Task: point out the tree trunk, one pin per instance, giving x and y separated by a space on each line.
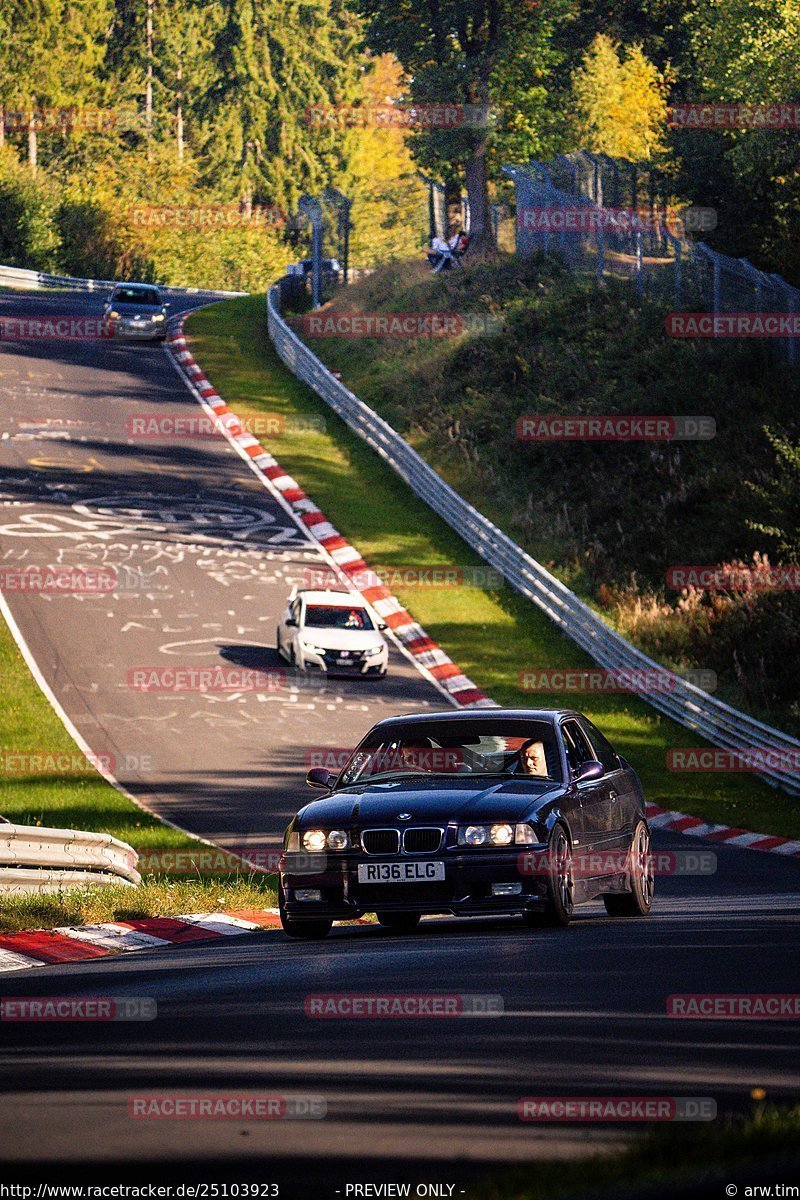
33 143
480 218
2 126
148 95
179 131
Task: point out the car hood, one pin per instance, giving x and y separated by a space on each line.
130 310
501 800
341 639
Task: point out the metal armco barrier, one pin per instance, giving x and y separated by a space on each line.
35 859
714 720
39 280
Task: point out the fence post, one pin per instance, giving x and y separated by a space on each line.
717 290
312 209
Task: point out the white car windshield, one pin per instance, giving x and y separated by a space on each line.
337 616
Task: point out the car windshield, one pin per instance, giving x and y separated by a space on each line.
131 295
337 616
518 748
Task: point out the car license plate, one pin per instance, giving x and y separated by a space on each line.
405 872
344 661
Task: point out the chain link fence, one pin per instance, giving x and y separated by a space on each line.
613 217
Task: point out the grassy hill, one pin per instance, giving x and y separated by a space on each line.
610 518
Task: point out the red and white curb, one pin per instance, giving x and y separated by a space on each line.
677 822
411 637
76 943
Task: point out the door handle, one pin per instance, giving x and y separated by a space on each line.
614 796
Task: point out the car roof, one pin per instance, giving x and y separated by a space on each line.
343 599
481 714
136 287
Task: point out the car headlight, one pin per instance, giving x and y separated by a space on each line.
501 834
373 650
338 839
113 316
314 840
292 842
159 317
307 648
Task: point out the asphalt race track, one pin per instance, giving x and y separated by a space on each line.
204 559
584 1010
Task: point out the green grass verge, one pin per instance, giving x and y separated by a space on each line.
491 634
682 1157
83 800
154 898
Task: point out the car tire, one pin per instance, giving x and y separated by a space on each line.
639 900
398 922
278 645
559 902
309 931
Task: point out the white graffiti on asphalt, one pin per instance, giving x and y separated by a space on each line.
206 520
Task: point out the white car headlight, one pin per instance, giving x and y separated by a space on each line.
308 648
314 840
159 317
502 835
372 651
338 839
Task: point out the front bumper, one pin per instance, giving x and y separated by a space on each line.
150 331
466 889
332 663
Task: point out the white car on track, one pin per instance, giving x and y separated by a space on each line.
333 632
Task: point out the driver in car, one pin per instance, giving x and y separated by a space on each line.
532 760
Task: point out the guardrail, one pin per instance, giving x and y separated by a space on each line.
35 859
685 703
39 280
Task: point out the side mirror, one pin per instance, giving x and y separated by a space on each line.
318 777
290 622
591 769
382 626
